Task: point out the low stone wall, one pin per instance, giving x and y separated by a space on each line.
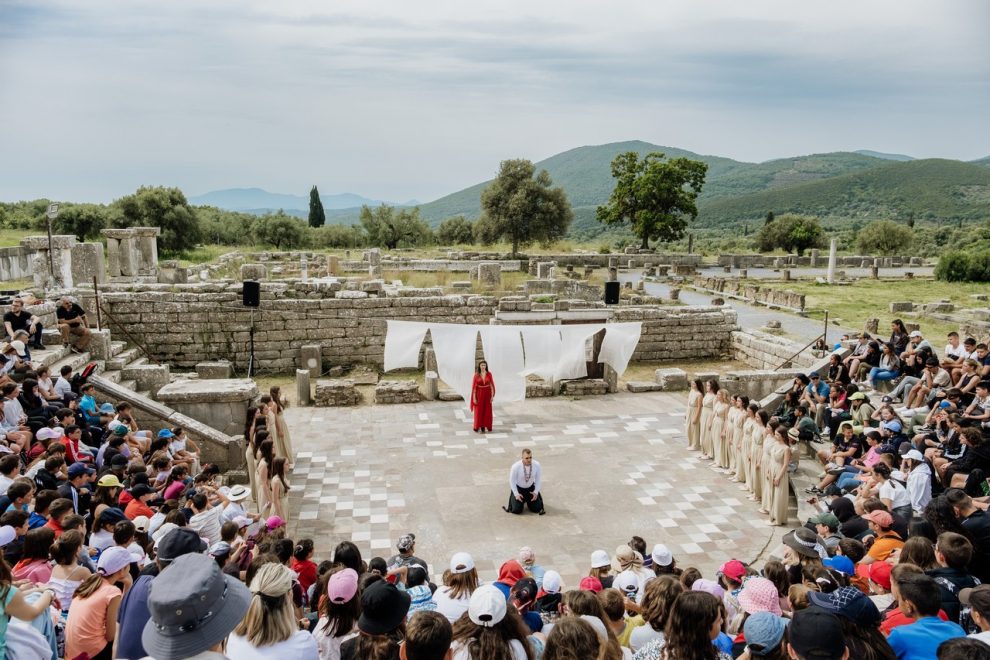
764 351
751 292
431 265
681 333
624 260
336 392
815 260
397 391
758 383
15 263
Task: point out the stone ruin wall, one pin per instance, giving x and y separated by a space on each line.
15 263
187 324
815 260
751 292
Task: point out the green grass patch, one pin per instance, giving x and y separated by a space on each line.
12 237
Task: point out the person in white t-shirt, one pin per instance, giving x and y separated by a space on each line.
525 485
490 622
453 598
269 629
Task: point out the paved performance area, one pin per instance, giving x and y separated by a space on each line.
612 467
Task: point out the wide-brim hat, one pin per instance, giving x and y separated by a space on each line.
804 542
178 643
238 493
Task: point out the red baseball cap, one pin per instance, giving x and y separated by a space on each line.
590 583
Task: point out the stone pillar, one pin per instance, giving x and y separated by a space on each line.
145 246
543 269
431 386
613 262
814 258
87 263
613 274
375 263
743 273
303 391
874 272
113 256
787 274
123 256
675 293
872 326
611 379
311 358
833 247
429 359
333 264
490 274
304 268
60 262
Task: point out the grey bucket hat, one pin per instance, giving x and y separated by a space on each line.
193 606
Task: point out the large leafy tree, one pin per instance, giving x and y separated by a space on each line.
317 216
455 231
82 220
280 230
656 197
389 228
166 208
793 233
884 237
523 208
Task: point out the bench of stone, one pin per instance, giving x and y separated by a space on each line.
220 403
397 391
671 379
584 387
539 390
638 386
336 392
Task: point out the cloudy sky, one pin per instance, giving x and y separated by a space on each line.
403 99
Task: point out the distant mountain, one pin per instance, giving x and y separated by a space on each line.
253 200
883 156
983 162
931 188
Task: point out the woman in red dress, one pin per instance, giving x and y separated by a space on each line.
482 393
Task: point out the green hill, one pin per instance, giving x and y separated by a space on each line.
585 175
983 162
924 189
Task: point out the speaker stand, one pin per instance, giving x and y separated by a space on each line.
250 370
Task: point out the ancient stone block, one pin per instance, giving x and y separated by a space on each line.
311 359
671 379
303 389
254 271
214 370
397 391
490 275
87 263
904 306
336 393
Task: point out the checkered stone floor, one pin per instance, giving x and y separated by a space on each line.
612 467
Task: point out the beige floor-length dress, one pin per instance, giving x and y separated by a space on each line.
693 426
707 407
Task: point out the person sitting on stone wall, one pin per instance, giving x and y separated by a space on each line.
19 319
72 323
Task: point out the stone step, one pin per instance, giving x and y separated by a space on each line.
51 354
117 347
644 386
122 359
112 376
137 362
75 360
129 384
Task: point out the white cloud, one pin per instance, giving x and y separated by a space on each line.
401 99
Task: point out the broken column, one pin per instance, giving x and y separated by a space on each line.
333 264
303 390
831 260
122 260
87 263
145 246
375 263
304 268
311 358
543 269
55 269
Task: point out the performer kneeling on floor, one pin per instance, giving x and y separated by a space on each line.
524 482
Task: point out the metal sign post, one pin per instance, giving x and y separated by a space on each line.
51 215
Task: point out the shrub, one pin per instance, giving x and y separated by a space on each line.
953 267
979 267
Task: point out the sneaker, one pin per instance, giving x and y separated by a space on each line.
813 490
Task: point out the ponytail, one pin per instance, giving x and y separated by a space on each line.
89 586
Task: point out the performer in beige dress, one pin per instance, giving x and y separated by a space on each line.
707 408
250 448
265 458
278 408
768 442
780 459
280 489
745 471
742 414
756 456
693 415
720 412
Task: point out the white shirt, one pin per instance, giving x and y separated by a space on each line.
207 524
643 635
515 646
517 476
896 493
301 646
957 352
452 608
919 487
46 386
5 482
330 646
231 511
12 412
62 387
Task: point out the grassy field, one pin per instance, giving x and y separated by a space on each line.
863 299
12 237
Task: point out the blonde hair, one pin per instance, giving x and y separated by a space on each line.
270 618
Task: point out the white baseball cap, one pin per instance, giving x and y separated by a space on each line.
18 347
552 583
661 555
487 606
7 534
914 455
600 558
461 562
626 582
113 559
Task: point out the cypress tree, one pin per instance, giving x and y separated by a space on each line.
317 217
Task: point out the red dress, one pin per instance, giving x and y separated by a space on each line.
482 393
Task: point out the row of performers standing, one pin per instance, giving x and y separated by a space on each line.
744 443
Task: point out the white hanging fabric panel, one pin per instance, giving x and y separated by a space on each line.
573 362
542 345
619 343
403 340
455 347
504 354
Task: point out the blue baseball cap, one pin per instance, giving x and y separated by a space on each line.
107 408
79 469
165 433
894 426
840 563
944 404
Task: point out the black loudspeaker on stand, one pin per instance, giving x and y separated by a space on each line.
251 295
612 293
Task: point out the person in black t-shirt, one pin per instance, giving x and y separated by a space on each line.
72 322
18 319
